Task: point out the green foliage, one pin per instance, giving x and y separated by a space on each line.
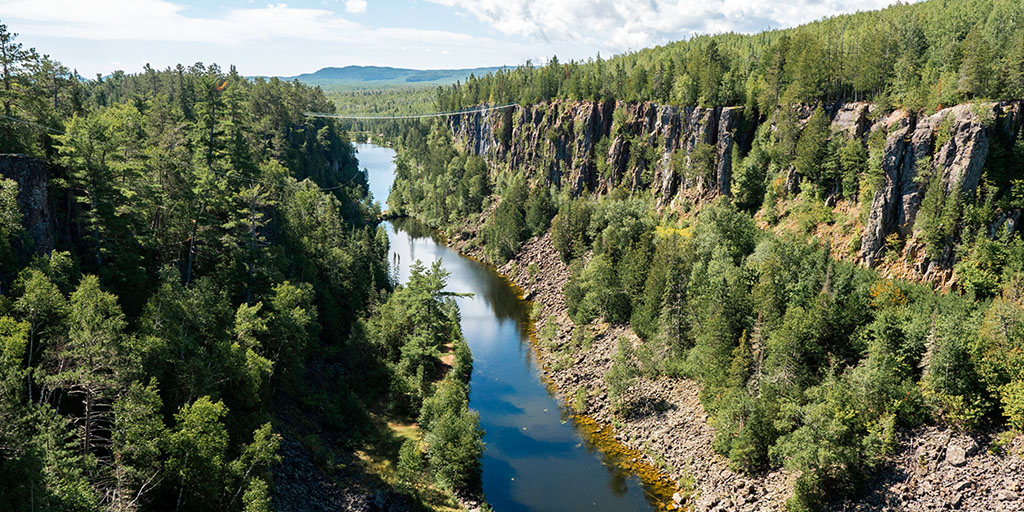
197 447
596 291
810 211
950 379
410 462
1013 404
852 159
257 497
453 186
570 229
811 149
506 229
213 244
453 437
919 55
454 448
621 375
700 164
539 210
750 173
611 283
10 219
939 216
410 329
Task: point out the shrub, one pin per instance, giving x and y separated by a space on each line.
504 231
1013 404
569 229
539 210
454 448
621 375
595 291
810 149
853 158
410 463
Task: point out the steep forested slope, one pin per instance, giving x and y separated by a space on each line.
937 52
720 197
190 269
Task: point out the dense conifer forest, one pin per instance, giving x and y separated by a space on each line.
211 271
215 261
921 55
807 362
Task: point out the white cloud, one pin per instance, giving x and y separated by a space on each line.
619 25
355 6
162 20
283 39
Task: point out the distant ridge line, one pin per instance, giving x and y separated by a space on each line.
409 116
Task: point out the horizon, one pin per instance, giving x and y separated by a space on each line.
303 36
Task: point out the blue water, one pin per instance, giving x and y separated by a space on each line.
534 458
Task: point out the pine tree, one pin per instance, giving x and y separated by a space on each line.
812 146
93 363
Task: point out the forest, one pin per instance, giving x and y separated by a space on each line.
918 56
217 284
807 362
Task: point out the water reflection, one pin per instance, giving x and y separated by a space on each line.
535 460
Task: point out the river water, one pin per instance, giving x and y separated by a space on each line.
535 457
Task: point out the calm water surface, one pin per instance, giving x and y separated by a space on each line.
534 458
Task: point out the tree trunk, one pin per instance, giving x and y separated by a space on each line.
192 243
88 420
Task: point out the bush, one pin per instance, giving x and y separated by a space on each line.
621 375
1013 404
410 463
810 149
595 291
454 448
748 185
950 381
504 231
852 158
539 210
569 229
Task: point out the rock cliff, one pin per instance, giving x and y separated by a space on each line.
596 146
951 145
32 177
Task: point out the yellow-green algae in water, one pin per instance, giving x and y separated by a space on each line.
657 484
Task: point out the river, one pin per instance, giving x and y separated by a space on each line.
535 457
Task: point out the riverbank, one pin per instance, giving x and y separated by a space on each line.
934 467
669 426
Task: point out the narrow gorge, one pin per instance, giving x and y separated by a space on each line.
595 147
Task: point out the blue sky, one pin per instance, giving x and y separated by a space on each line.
261 38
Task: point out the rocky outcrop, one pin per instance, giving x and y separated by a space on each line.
597 146
32 177
951 145
936 468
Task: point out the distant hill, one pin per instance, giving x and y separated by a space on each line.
383 76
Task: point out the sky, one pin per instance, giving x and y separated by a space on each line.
286 39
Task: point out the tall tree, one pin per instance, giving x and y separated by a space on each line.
92 365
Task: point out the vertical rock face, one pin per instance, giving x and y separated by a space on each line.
588 145
953 143
851 119
898 169
597 146
32 177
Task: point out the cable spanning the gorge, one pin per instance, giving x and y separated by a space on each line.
410 116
